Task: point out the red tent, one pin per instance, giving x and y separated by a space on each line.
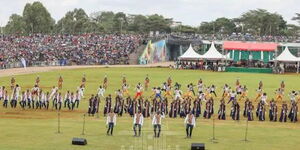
249 46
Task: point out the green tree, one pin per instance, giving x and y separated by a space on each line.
37 18
158 23
104 21
262 22
120 22
15 24
76 21
138 24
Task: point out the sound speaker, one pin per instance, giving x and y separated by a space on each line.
79 141
198 146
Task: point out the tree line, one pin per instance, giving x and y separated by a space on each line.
36 19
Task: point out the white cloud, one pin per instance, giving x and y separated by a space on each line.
190 12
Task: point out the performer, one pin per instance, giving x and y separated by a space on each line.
35 93
208 109
264 98
279 94
107 107
83 81
260 112
259 93
191 88
12 82
23 100
67 100
60 82
250 112
273 111
47 99
226 91
168 92
77 98
138 121
139 92
2 91
53 91
222 111
101 91
125 90
37 81
260 84
111 122
246 107
156 122
212 90
293 96
282 85
244 93
91 104
190 123
124 79
237 83
284 112
147 82
29 98
169 81
293 112
177 93
232 96
105 82
157 93
59 101
5 99
235 111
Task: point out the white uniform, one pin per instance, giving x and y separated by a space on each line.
177 94
101 92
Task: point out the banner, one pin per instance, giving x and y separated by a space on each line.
154 53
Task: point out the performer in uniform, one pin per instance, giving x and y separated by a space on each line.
284 112
190 122
156 122
273 111
37 81
138 121
105 82
60 82
83 81
139 91
111 122
222 111
147 82
293 112
12 82
101 91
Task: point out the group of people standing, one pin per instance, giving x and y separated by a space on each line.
37 98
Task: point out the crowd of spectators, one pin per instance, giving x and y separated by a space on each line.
233 37
84 49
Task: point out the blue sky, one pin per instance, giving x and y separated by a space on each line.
190 12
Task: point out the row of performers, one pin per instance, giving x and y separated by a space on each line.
178 108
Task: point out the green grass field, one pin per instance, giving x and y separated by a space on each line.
37 129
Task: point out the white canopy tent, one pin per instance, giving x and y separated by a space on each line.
190 54
287 56
213 54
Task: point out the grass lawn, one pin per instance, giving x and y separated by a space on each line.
37 129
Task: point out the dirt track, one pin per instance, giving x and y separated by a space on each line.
29 70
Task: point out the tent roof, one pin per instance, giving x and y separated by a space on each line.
213 53
190 54
250 46
287 56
